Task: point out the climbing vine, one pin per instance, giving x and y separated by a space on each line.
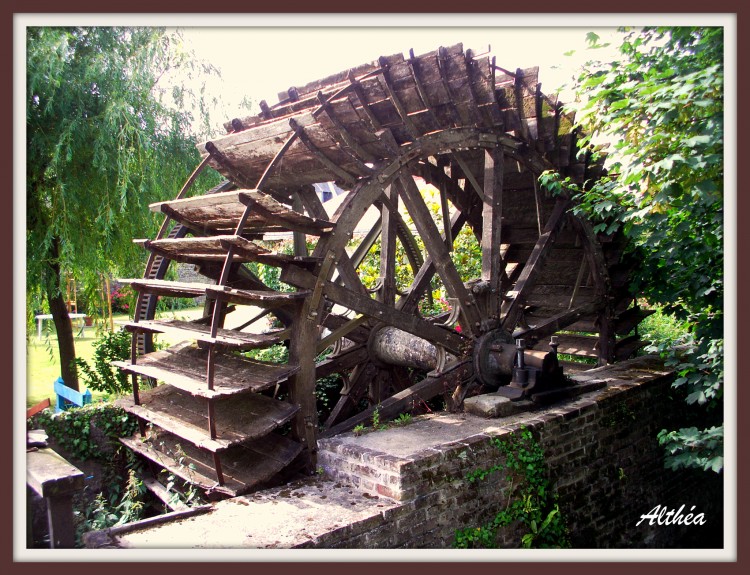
532 504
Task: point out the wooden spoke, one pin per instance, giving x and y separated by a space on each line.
438 252
344 266
388 248
424 276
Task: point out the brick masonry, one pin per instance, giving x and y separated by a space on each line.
407 487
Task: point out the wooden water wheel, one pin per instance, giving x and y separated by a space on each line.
446 123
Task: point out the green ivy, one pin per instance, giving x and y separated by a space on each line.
72 429
532 504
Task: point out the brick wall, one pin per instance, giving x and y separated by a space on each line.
604 461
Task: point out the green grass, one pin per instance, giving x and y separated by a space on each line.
43 363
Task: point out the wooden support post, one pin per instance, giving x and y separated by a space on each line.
493 265
299 239
55 479
302 384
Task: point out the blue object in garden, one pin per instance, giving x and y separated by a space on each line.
67 397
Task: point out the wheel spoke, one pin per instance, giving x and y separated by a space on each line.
372 308
438 252
388 247
424 276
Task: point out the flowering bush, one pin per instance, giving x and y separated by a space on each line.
121 297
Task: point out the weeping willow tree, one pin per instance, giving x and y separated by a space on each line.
107 134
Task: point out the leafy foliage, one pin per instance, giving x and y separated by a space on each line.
111 346
659 108
101 513
74 429
533 505
106 136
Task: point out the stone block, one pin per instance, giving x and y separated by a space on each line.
489 405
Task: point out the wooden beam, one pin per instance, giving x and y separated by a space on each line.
493 265
395 100
423 391
423 277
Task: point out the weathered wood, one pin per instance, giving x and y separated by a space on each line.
376 310
580 345
184 366
335 169
345 360
269 299
55 479
553 324
388 217
269 210
493 266
247 416
214 248
202 332
424 390
423 277
245 466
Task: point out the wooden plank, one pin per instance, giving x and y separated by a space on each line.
581 345
544 327
374 309
269 210
184 366
628 320
267 299
246 417
50 475
344 361
210 248
202 332
388 216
